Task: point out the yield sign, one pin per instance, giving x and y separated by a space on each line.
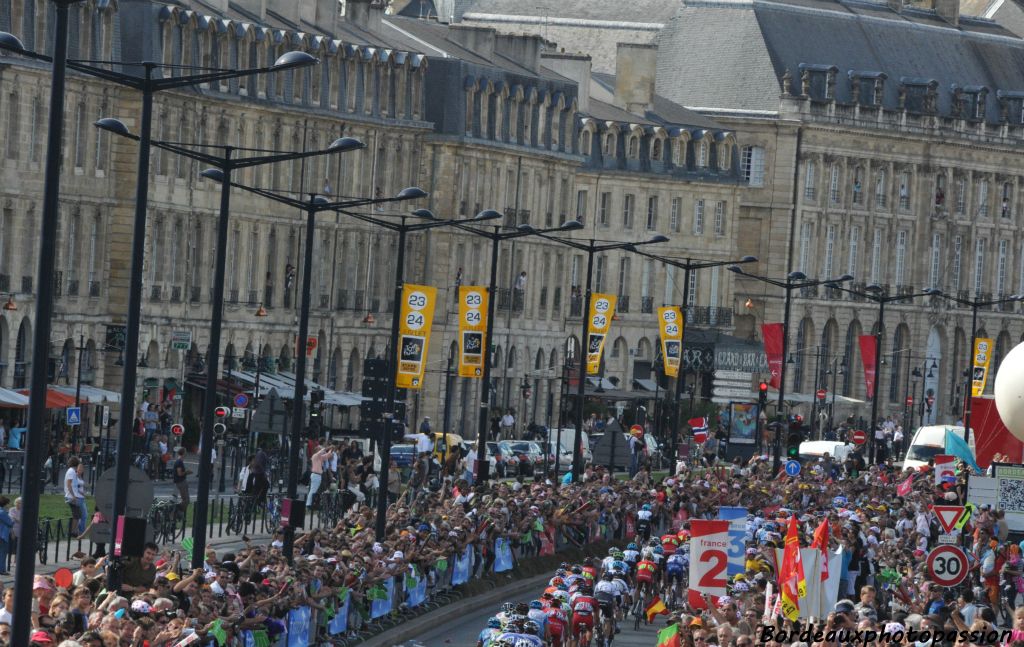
948 516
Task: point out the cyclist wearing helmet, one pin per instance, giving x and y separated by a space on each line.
631 555
584 610
536 614
489 635
619 579
646 571
676 566
517 635
670 541
643 522
557 621
608 596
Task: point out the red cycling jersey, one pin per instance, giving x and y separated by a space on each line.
557 621
645 571
583 609
591 570
669 543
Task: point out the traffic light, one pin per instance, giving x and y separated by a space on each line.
762 395
221 412
794 437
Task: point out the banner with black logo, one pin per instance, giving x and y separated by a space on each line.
417 315
472 329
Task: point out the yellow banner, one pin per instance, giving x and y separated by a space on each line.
670 321
417 315
602 309
982 358
472 330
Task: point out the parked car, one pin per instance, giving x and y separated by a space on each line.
528 454
505 462
653 451
566 437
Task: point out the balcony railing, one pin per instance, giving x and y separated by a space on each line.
175 294
809 291
233 296
904 290
963 295
341 300
26 285
197 294
5 282
510 298
542 300
72 287
254 297
374 305
58 283
708 316
154 293
556 300
623 304
986 296
360 300
268 296
833 293
576 306
646 305
94 288
325 301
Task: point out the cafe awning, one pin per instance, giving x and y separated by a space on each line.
12 399
54 398
91 395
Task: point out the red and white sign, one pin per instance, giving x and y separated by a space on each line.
709 560
947 565
821 393
178 430
948 516
910 400
945 472
858 437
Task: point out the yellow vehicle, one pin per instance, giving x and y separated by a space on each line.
454 444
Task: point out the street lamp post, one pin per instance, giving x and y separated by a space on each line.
974 305
21 625
876 293
832 405
793 281
224 164
425 220
495 236
591 247
687 265
311 207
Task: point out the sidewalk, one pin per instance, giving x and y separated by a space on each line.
221 545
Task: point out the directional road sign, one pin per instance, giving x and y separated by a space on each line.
74 416
947 565
793 468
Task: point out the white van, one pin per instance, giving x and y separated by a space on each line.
928 442
566 438
812 450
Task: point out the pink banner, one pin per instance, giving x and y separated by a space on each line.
868 348
773 334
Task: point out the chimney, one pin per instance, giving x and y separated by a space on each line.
948 10
365 14
635 66
575 67
479 40
525 49
323 14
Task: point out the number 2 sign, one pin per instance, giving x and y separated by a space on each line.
709 560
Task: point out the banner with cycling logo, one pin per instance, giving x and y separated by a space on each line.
502 555
982 358
339 622
670 321
417 315
602 309
298 627
462 566
709 560
737 518
472 329
415 588
380 596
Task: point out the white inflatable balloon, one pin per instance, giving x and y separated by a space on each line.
1009 391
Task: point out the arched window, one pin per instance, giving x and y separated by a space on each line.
656 147
609 144
586 139
634 147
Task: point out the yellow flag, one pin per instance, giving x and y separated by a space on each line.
982 358
417 315
670 321
472 330
602 309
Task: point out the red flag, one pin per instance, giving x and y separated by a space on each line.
868 348
903 489
792 584
821 543
773 334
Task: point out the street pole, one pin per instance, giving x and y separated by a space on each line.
577 445
131 344
832 406
212 369
780 414
78 392
447 402
681 377
482 466
878 374
35 446
968 390
390 423
814 403
298 403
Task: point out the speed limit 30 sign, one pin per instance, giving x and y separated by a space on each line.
947 565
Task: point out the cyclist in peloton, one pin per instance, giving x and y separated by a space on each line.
557 622
522 633
489 635
631 555
646 572
608 596
584 610
675 569
537 614
643 522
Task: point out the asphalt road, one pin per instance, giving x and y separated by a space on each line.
464 632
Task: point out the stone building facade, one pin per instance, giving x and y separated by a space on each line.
477 119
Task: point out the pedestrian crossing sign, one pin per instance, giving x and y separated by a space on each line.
74 416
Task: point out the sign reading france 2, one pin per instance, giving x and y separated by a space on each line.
748 359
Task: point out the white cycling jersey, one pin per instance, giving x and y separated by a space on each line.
631 556
605 586
644 515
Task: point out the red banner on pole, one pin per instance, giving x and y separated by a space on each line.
772 334
868 348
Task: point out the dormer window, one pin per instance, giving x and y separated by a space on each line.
609 144
724 156
634 147
656 147
867 87
818 81
918 95
586 139
1011 106
702 154
970 101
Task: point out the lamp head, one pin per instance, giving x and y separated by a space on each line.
11 43
844 278
748 259
319 199
933 292
527 229
797 276
656 239
411 193
112 125
735 269
487 214
214 174
290 60
570 225
343 144
426 214
874 287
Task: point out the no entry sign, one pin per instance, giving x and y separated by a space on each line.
947 565
859 437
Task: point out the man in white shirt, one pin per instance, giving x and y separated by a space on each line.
508 423
5 611
71 490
